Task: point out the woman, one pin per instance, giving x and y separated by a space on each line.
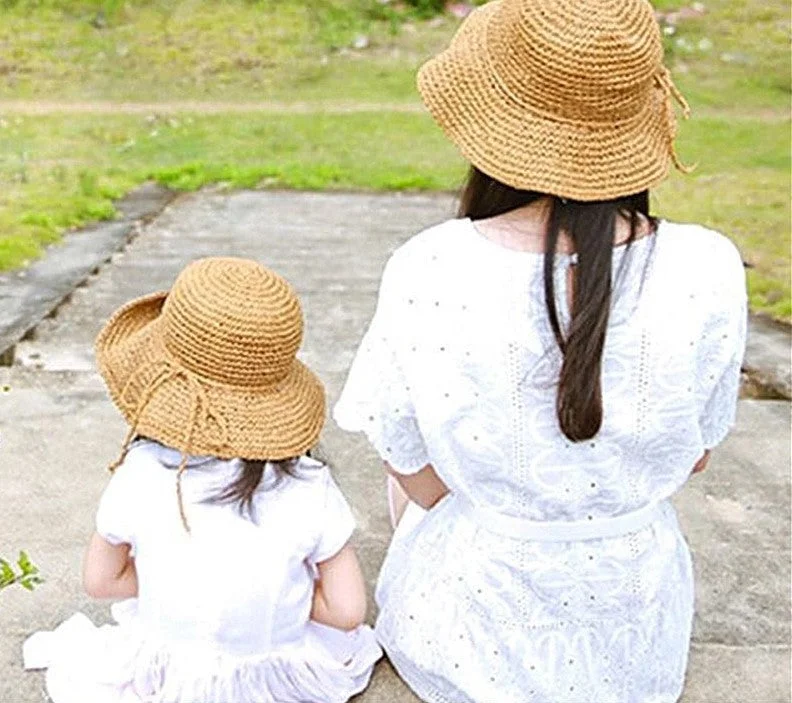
544 372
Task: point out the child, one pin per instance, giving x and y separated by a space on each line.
240 580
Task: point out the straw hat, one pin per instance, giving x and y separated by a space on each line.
567 97
210 367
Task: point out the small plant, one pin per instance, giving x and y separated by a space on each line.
27 576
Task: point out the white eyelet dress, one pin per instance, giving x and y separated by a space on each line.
554 571
222 614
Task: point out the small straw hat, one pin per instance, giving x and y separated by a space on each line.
210 367
566 97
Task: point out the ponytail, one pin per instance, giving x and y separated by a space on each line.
591 227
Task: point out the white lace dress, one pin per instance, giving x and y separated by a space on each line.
525 584
223 613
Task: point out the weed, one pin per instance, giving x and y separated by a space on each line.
27 575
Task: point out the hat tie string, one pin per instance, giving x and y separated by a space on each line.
664 80
201 411
165 374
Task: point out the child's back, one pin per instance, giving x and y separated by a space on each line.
223 612
236 584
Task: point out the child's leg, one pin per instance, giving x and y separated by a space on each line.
397 501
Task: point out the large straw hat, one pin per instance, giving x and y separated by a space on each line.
567 97
210 368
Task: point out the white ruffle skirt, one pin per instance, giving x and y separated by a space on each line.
117 664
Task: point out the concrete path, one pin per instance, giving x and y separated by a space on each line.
58 431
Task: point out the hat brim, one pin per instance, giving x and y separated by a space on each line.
526 150
276 422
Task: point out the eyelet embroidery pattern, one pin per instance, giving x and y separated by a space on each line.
459 345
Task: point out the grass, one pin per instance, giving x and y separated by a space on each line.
268 50
60 171
734 57
47 192
749 202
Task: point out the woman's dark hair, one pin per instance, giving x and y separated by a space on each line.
243 489
591 227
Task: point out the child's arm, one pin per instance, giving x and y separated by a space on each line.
424 487
108 570
340 594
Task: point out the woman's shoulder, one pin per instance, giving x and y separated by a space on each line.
431 242
421 260
699 245
709 260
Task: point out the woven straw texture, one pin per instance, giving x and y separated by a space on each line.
210 367
567 97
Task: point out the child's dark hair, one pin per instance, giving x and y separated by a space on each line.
243 489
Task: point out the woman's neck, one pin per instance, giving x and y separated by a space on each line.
524 228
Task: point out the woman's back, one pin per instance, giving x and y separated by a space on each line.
545 414
465 323
560 565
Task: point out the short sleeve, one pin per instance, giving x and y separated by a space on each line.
115 518
723 348
335 522
376 397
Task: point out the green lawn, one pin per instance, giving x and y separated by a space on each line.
60 171
233 50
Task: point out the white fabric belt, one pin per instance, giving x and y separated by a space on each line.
563 530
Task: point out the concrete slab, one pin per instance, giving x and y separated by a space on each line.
720 674
29 295
768 357
58 431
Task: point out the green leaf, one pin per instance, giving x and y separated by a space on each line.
6 572
24 562
27 566
28 578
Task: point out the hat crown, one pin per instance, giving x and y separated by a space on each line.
233 321
576 60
